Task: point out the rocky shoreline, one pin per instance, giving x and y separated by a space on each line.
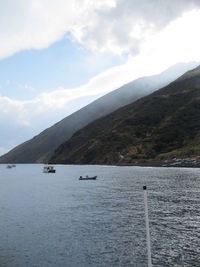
175 162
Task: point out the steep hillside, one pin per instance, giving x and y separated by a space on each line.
41 147
161 126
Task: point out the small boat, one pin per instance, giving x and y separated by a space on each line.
49 169
88 178
9 166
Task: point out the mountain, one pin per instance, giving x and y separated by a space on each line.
41 148
160 126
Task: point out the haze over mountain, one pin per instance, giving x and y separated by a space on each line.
41 147
163 125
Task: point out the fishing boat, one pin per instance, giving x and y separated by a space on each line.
48 169
88 178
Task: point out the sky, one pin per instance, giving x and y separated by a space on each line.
57 56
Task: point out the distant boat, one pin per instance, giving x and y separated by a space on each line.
9 166
13 165
48 169
88 178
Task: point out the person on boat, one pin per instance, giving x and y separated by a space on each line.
86 176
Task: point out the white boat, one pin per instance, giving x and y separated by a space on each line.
49 169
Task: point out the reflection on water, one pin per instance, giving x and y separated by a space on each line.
57 220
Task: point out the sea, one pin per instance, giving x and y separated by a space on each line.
57 220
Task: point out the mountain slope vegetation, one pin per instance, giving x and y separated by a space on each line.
161 126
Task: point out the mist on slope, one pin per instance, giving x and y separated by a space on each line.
43 145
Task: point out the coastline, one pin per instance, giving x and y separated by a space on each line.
176 162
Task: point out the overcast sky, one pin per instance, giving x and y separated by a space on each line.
57 55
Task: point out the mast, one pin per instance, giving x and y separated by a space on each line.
147 227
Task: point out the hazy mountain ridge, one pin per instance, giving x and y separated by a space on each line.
161 126
41 147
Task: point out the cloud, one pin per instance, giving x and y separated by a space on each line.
120 26
2 150
126 26
27 24
13 110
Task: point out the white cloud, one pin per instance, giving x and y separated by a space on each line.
128 24
3 150
26 24
13 110
115 25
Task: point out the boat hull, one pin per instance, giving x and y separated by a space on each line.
53 171
88 178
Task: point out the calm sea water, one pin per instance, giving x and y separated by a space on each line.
57 220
